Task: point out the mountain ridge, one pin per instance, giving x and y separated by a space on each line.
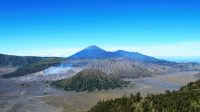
17 61
95 52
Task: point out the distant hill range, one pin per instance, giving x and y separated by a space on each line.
17 61
120 63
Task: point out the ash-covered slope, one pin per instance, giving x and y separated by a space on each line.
124 68
90 79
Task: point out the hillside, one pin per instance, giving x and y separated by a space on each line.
35 67
185 100
17 61
121 68
90 80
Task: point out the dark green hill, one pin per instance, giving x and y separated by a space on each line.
187 99
35 67
90 79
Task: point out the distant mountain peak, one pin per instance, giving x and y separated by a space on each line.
91 52
94 52
93 47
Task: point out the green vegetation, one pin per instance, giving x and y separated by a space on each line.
34 67
90 79
187 99
17 61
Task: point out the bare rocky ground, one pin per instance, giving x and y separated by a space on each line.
25 96
38 96
6 70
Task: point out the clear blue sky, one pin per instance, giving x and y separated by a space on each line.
59 27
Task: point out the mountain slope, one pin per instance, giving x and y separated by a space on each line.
140 57
120 67
17 61
34 67
185 100
90 79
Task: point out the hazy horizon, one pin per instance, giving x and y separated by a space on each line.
169 58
